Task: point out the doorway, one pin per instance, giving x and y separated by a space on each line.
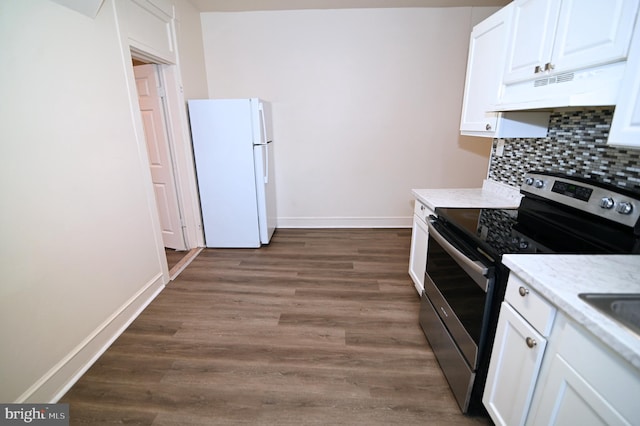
152 104
152 99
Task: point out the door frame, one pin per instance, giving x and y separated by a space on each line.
179 145
147 31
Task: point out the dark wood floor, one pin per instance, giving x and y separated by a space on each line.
320 327
174 256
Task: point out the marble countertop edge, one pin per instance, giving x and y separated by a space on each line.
491 195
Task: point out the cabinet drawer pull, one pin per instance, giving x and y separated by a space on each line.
531 342
523 291
488 127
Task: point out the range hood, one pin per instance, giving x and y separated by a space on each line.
597 86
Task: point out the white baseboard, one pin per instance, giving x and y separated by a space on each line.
56 382
345 222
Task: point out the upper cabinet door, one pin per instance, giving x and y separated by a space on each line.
592 32
625 127
487 49
552 37
483 84
534 25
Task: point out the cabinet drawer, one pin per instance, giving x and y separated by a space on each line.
533 307
422 211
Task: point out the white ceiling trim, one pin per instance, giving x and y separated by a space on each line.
89 8
252 5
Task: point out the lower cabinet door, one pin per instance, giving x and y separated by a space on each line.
583 382
568 399
418 254
515 362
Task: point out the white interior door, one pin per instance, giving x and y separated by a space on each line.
155 129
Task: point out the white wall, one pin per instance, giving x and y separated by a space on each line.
80 250
366 105
191 56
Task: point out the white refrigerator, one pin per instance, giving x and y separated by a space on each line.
233 149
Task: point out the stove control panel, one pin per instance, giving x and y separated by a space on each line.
571 190
589 197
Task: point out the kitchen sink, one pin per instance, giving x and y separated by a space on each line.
623 308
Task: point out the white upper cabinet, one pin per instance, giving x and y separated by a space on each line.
487 52
566 53
592 32
625 127
534 23
555 37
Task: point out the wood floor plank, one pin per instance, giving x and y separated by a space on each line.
263 335
102 414
115 367
174 257
319 327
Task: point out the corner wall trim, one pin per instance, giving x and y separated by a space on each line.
58 380
184 262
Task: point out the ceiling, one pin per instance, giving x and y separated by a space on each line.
248 5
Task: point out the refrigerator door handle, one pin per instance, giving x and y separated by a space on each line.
263 138
266 169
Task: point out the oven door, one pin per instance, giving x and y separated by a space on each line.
455 307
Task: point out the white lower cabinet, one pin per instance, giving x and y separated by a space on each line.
419 240
546 369
517 354
583 382
507 400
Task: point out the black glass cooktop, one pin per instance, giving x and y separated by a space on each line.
490 229
536 228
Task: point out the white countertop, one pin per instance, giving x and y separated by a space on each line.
491 195
560 278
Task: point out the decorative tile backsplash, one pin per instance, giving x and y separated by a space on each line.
576 145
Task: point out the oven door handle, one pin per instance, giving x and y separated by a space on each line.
476 269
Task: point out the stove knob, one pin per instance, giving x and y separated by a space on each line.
524 244
607 203
624 208
538 183
529 181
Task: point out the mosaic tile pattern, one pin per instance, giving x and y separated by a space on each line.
494 227
575 145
